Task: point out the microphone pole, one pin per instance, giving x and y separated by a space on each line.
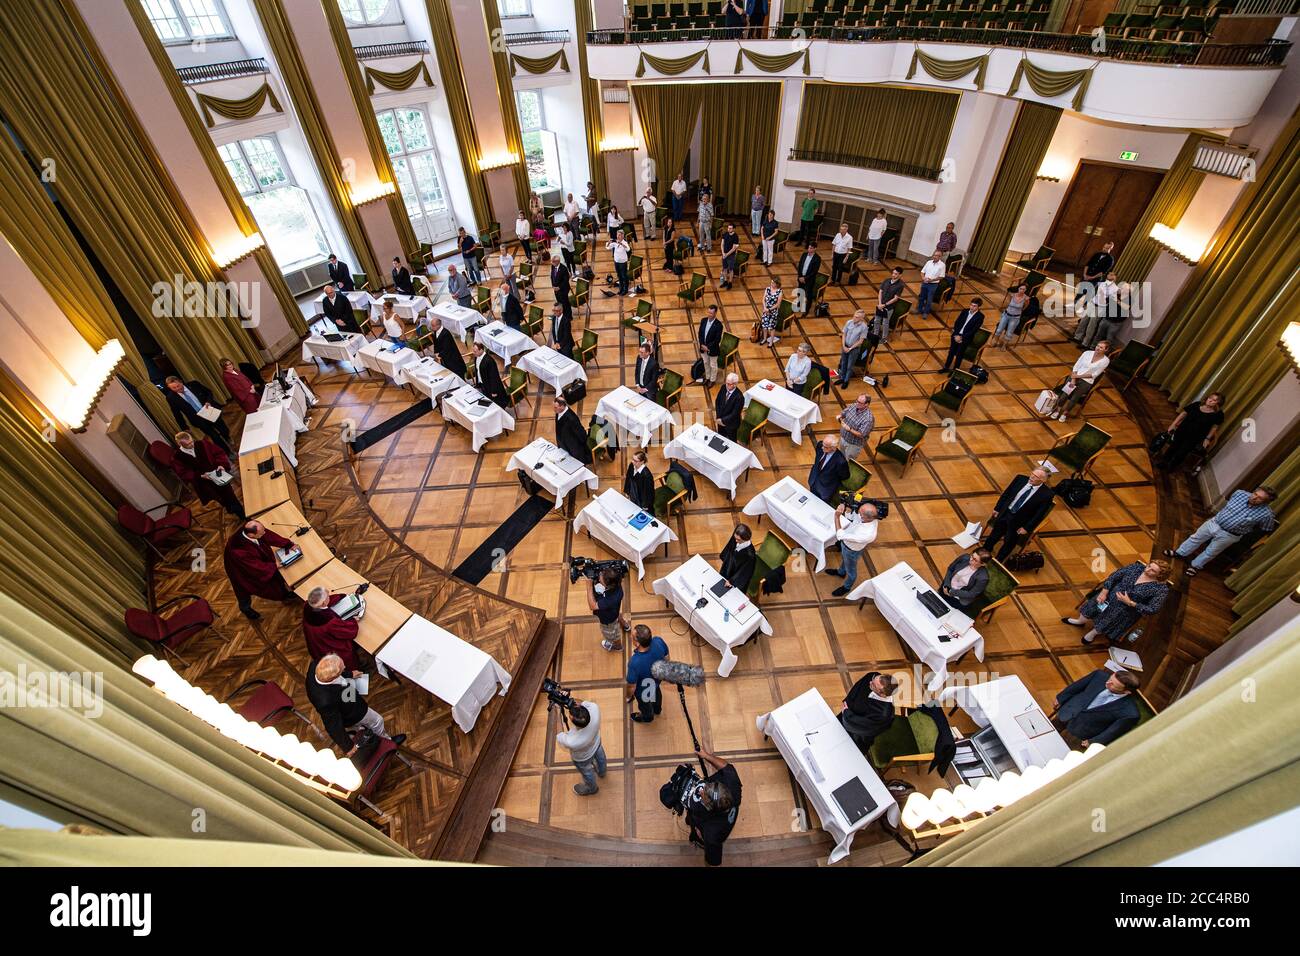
302 529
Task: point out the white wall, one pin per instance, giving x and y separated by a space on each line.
1267 423
1277 624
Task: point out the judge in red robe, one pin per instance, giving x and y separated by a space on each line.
240 386
195 459
252 567
326 632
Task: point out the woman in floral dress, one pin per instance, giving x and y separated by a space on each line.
771 310
1129 594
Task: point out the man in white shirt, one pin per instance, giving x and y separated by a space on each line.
524 233
1104 306
854 532
841 246
931 273
564 237
621 251
1071 393
678 196
648 206
584 746
571 211
875 233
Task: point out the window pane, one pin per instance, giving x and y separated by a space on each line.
415 131
530 110
351 10
237 168
203 18
388 129
542 156
265 161
513 8
425 166
289 225
374 9
407 189
163 16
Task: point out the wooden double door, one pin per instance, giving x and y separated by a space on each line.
1103 204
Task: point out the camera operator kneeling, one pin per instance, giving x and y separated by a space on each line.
584 746
712 807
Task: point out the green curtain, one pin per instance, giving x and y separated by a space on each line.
1207 766
241 109
1026 146
949 70
889 124
370 127
773 64
1056 16
738 151
77 571
539 64
506 97
144 765
400 80
217 168
672 66
315 129
110 181
1167 206
592 105
462 120
668 112
1272 571
1050 83
1224 327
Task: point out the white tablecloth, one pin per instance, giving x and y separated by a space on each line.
823 757
484 422
316 346
894 593
267 427
296 400
500 339
550 476
786 410
686 584
722 468
799 513
552 368
358 300
379 357
1006 705
633 413
457 318
446 666
429 377
406 306
606 519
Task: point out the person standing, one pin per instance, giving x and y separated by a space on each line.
642 688
968 323
1127 595
677 195
771 311
340 274
252 567
570 436
710 336
841 246
1103 307
876 234
564 238
190 402
1243 512
947 241
757 203
445 349
201 465
738 558
810 264
622 251
854 533
797 368
1094 271
524 233
768 231
852 336
487 377
829 469
402 277
868 710
560 283
605 598
730 243
648 205
705 220
808 217
240 387
1194 429
931 274
571 212
638 483
856 423
327 633
507 263
1019 510
561 330
337 308
332 690
645 373
458 287
668 236
582 741
1011 315
713 806
470 251
729 406
512 310
613 221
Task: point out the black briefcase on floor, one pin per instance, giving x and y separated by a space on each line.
575 392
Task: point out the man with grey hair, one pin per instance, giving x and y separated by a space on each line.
458 287
829 469
854 532
325 631
729 406
333 692
1019 510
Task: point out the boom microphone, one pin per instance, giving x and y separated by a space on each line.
676 672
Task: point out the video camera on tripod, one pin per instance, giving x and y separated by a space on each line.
580 567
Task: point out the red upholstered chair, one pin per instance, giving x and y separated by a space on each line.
162 453
268 705
170 632
373 772
156 531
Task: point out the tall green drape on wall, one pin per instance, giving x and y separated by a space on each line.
1210 764
1167 206
78 572
738 148
1026 146
1056 16
671 66
241 109
773 64
891 124
539 65
462 120
315 129
506 96
217 167
399 79
143 765
592 105
668 112
1051 83
370 126
949 70
110 180
1223 329
1273 569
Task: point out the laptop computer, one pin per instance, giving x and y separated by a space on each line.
718 445
854 799
721 588
936 605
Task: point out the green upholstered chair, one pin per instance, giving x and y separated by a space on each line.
902 443
692 290
490 237
534 321
1026 326
517 386
909 739
779 240
644 312
635 270
670 389
1078 450
671 491
1038 261
597 437
752 422
771 554
1033 282
587 347
1129 362
742 260
418 263
820 282
422 339
945 395
483 301
523 276
360 281
1145 709
728 349
851 263
857 479
582 295
1002 584
902 309
580 247
362 318
784 314
814 385
426 250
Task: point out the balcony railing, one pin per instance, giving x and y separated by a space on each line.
866 162
377 51
543 36
221 71
1270 54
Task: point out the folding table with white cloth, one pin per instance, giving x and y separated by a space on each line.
297 399
1006 705
500 339
785 409
343 350
429 377
553 468
613 520
458 319
724 622
464 407
552 368
799 513
721 460
270 426
358 300
387 358
633 413
407 307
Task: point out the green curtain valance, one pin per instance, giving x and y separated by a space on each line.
772 64
949 70
243 109
672 66
401 80
1049 83
539 64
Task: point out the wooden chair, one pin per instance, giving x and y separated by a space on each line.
974 349
156 532
779 242
1002 584
909 739
635 271
169 632
752 422
671 491
1130 361
1033 283
820 283
483 301
490 238
728 349
1078 450
1038 261
360 282
953 394
742 260
692 291
814 385
770 555
523 276
784 315
670 389
534 321
587 347
597 437
902 443
268 705
852 264
517 387
902 309
582 296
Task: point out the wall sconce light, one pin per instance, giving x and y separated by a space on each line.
1181 247
225 258
618 145
375 192
319 769
1047 179
498 161
1053 170
90 385
1290 344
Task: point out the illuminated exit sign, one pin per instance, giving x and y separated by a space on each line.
1128 156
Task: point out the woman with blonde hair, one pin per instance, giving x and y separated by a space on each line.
1131 593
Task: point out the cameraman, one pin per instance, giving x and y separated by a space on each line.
854 532
712 807
584 746
605 598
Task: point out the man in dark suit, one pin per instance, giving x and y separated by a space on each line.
340 274
738 558
806 275
446 350
868 711
1022 505
1094 271
829 469
338 309
970 321
488 376
729 406
512 311
710 336
333 692
402 278
1098 708
562 330
560 277
186 400
645 376
569 433
966 579
194 461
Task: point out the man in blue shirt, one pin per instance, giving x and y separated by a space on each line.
1244 512
187 400
641 685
